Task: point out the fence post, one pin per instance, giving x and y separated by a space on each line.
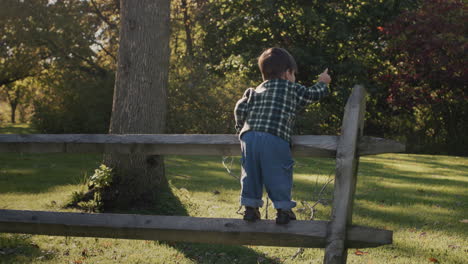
347 161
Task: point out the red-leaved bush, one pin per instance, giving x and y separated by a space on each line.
427 47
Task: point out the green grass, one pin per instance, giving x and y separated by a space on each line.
421 198
18 128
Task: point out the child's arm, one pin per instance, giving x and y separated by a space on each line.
308 95
241 109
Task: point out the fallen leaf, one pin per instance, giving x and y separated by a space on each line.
422 234
106 244
433 260
77 262
360 253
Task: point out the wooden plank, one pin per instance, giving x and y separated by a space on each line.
347 160
173 144
310 234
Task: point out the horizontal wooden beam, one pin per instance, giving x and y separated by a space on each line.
173 144
185 229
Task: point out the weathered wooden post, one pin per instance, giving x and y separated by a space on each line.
347 161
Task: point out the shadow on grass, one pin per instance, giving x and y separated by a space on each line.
33 173
402 251
205 174
169 204
428 161
431 191
18 248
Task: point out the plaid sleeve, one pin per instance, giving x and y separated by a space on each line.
308 95
241 109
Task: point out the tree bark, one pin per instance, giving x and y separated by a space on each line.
139 105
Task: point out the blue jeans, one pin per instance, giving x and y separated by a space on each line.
266 160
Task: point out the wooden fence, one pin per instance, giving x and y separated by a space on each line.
336 235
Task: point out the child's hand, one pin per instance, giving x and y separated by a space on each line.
324 77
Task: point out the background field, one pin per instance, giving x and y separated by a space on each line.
422 198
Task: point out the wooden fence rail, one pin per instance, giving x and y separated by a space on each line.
183 228
336 235
183 144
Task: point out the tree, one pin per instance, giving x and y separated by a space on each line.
20 55
68 47
427 48
78 41
139 105
18 93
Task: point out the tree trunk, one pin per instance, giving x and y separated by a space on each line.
13 112
188 32
13 100
139 105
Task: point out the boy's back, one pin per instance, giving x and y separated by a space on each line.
273 105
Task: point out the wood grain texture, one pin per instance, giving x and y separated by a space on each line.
310 234
347 161
173 144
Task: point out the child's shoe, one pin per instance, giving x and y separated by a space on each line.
284 216
251 214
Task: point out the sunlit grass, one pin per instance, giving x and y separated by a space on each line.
18 128
422 198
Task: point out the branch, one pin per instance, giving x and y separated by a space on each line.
14 79
106 51
102 17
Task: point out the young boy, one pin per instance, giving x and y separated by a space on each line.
264 120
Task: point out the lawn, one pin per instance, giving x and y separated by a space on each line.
422 198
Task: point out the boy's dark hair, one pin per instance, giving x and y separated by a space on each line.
274 62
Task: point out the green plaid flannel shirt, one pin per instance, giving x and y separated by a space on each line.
273 105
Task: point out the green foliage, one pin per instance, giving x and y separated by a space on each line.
69 48
74 102
201 102
19 95
340 35
102 177
20 53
